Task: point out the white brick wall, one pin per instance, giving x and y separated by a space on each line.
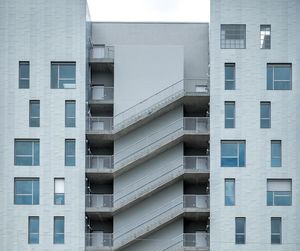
250 90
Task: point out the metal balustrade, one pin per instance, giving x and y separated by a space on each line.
99 162
196 163
196 124
101 93
99 124
200 240
196 201
100 51
99 240
99 201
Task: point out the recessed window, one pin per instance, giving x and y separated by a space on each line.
229 76
63 75
24 72
279 192
229 114
59 191
70 152
279 76
240 230
233 36
27 191
229 192
70 113
265 114
34 113
59 230
233 153
27 152
33 230
265 36
275 153
276 230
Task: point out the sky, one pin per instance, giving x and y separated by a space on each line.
150 10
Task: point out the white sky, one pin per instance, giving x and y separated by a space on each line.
150 10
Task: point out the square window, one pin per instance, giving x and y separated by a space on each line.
27 191
233 153
233 36
279 76
63 75
279 192
27 152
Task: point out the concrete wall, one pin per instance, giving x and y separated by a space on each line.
250 90
41 32
192 36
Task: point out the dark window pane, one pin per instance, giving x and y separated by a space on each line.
67 71
24 75
242 154
54 76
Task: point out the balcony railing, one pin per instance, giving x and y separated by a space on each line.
196 201
100 93
99 162
102 51
199 240
98 240
99 200
196 163
100 124
196 124
196 86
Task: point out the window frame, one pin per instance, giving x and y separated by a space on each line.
233 81
55 241
228 103
276 233
276 142
34 102
238 156
69 156
70 118
59 198
226 181
33 233
240 233
269 119
263 33
279 194
32 194
21 63
234 43
277 65
34 143
57 84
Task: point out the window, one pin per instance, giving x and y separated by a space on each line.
275 153
265 36
229 76
70 152
59 230
33 230
229 192
24 73
233 153
59 191
279 192
233 36
279 76
27 152
229 114
265 114
275 230
34 113
63 75
27 191
240 230
70 113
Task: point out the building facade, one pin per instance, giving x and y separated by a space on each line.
149 136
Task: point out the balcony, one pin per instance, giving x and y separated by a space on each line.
196 87
102 54
196 241
199 201
99 129
99 203
100 94
99 241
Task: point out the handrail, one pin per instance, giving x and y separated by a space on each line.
180 202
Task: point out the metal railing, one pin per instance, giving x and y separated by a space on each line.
99 124
196 163
99 161
102 51
160 99
99 240
158 138
196 201
99 200
100 93
198 239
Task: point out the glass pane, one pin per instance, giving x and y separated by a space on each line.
282 199
33 224
70 147
23 186
23 200
23 161
275 239
229 149
24 83
240 225
270 78
24 70
54 76
265 110
276 149
269 198
34 122
34 108
70 161
36 153
23 148
229 162
229 85
242 154
36 192
276 225
282 85
33 239
229 123
229 110
276 162
67 71
229 201
59 199
59 238
282 73
240 239
229 72
265 123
